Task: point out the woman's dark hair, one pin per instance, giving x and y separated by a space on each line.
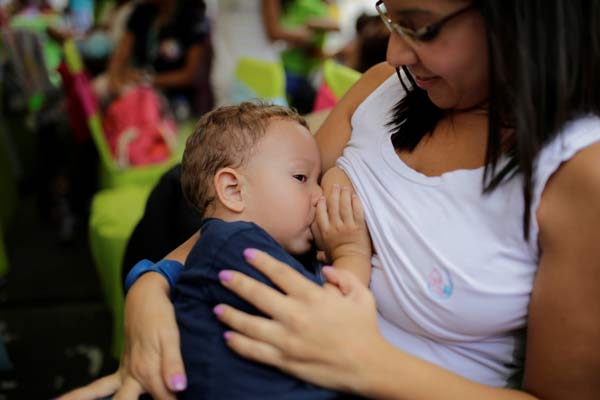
544 58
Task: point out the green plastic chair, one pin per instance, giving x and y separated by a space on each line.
338 77
259 79
114 214
111 174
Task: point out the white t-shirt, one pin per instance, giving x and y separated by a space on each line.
452 273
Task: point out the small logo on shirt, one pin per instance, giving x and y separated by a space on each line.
439 282
170 49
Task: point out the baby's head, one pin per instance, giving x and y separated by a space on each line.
259 163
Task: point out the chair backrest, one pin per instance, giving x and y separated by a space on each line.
338 77
259 79
86 98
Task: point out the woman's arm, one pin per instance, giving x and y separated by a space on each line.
331 338
119 62
152 361
563 336
335 131
271 15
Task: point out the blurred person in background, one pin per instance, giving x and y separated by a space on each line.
163 45
248 28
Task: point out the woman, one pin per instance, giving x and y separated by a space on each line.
244 28
164 45
509 103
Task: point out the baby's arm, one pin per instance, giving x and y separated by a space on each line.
341 228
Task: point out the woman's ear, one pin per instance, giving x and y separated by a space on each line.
228 189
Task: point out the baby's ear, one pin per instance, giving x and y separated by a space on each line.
228 189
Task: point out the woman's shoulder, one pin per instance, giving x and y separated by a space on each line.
373 78
378 73
366 85
576 176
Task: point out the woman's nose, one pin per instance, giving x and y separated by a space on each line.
400 51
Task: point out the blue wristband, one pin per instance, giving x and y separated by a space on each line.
170 269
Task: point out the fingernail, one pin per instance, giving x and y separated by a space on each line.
218 310
178 383
225 275
327 267
250 254
227 335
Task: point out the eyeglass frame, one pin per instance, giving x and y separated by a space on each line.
425 34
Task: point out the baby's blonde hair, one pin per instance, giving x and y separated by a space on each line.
225 137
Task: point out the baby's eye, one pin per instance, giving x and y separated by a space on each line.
301 178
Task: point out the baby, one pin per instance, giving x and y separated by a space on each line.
254 170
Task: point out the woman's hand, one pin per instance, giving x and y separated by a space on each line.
100 388
322 336
151 360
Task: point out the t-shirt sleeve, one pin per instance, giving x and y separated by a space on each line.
230 256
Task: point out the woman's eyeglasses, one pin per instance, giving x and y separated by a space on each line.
424 34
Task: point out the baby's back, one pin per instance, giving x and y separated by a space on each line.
214 371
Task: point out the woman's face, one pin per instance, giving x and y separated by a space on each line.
453 66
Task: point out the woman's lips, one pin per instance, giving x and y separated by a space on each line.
425 82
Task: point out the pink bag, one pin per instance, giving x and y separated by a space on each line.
325 98
139 128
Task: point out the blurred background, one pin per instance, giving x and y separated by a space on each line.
96 100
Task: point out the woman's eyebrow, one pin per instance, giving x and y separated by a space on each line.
410 12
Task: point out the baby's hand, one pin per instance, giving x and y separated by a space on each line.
341 228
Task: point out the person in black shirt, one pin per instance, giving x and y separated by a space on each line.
164 45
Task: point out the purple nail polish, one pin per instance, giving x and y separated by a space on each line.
327 267
250 254
178 382
225 275
218 310
227 335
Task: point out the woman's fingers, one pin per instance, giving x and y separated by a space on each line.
102 387
282 275
172 365
254 350
253 329
130 390
152 340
